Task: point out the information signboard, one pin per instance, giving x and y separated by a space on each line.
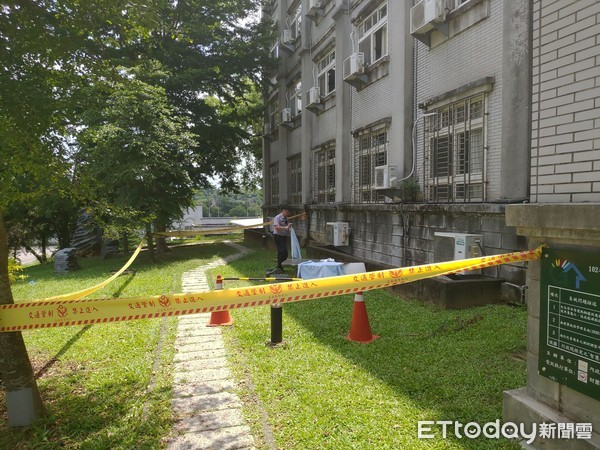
569 350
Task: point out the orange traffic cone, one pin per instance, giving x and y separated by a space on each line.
219 318
360 330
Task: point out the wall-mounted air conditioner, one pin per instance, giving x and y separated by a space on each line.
425 14
337 233
314 95
314 99
286 37
385 176
456 246
267 129
286 115
354 66
315 9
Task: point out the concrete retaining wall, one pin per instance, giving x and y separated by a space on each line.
401 235
565 226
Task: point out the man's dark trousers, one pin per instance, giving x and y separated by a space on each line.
282 251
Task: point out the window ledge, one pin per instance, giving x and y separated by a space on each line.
273 135
328 96
460 19
296 121
376 71
462 8
379 62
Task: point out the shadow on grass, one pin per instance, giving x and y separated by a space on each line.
449 364
121 288
40 373
102 418
454 365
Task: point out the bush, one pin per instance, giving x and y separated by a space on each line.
14 270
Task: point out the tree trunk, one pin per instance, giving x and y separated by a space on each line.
44 247
150 242
23 401
63 232
125 242
161 242
31 250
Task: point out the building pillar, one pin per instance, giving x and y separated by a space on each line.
344 149
401 50
567 229
516 101
308 118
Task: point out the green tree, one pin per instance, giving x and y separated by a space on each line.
213 55
201 108
32 221
29 82
136 155
47 49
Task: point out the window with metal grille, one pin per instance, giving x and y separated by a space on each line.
274 177
326 74
295 180
370 151
454 152
373 35
324 173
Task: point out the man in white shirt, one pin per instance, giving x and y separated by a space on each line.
281 231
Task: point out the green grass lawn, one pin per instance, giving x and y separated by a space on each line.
109 386
105 386
321 391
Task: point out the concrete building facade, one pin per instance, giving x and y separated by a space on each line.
563 213
405 123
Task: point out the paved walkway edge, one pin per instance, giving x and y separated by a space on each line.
207 412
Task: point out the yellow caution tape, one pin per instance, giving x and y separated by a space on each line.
48 314
262 279
84 292
208 231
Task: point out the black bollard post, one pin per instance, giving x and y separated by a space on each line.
276 324
277 317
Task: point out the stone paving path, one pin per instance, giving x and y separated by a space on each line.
208 413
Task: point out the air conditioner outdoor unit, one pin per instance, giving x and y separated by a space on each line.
425 14
456 246
315 8
286 37
267 129
385 176
286 115
337 233
314 96
354 66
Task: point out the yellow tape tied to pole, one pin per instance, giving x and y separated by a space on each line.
57 313
84 292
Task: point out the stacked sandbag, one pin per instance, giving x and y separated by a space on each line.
65 260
